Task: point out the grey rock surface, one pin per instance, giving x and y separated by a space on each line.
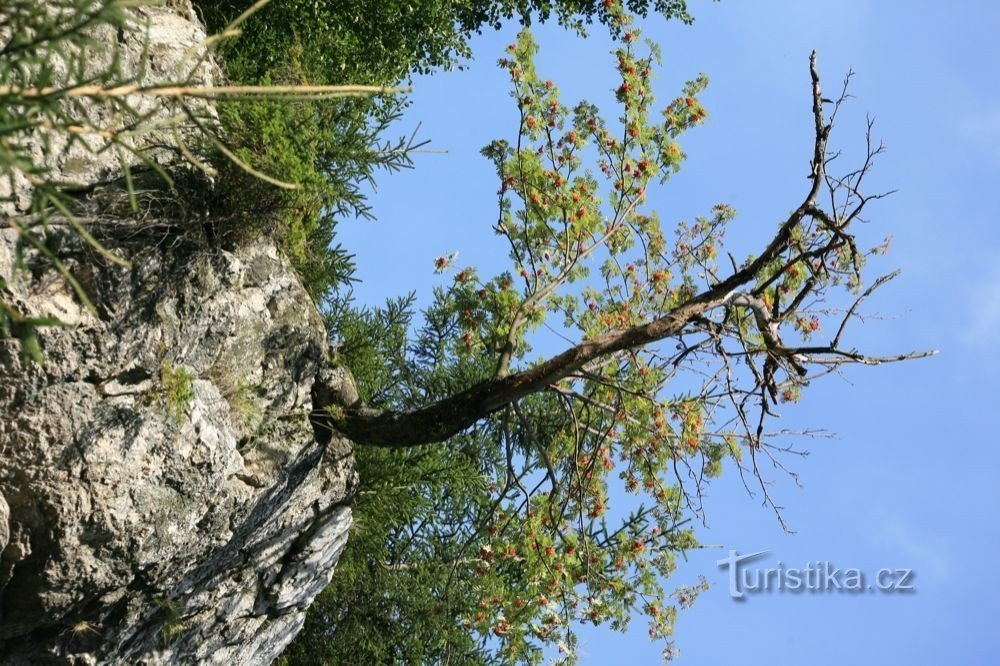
170 499
165 495
161 43
4 526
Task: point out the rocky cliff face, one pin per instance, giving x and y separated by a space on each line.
165 496
169 498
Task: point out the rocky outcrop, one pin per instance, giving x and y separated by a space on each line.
165 493
156 44
169 498
4 523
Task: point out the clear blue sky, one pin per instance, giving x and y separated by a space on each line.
911 481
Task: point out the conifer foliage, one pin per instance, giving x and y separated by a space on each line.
505 501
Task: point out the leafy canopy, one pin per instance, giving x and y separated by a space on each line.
505 565
566 504
334 148
591 462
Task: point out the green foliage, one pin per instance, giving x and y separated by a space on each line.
15 325
42 45
383 41
172 622
333 148
172 625
371 41
245 407
557 553
457 556
176 389
329 148
397 593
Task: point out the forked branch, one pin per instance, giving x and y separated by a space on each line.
829 236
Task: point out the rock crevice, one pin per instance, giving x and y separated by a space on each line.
166 495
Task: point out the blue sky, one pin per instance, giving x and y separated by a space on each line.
910 481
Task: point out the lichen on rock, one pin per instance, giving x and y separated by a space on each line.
118 508
166 494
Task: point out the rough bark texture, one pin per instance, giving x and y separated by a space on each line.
165 496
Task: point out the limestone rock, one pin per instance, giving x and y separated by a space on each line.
165 496
170 500
160 43
4 520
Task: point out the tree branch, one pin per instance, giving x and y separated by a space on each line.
449 416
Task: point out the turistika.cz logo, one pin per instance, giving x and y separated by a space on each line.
818 576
